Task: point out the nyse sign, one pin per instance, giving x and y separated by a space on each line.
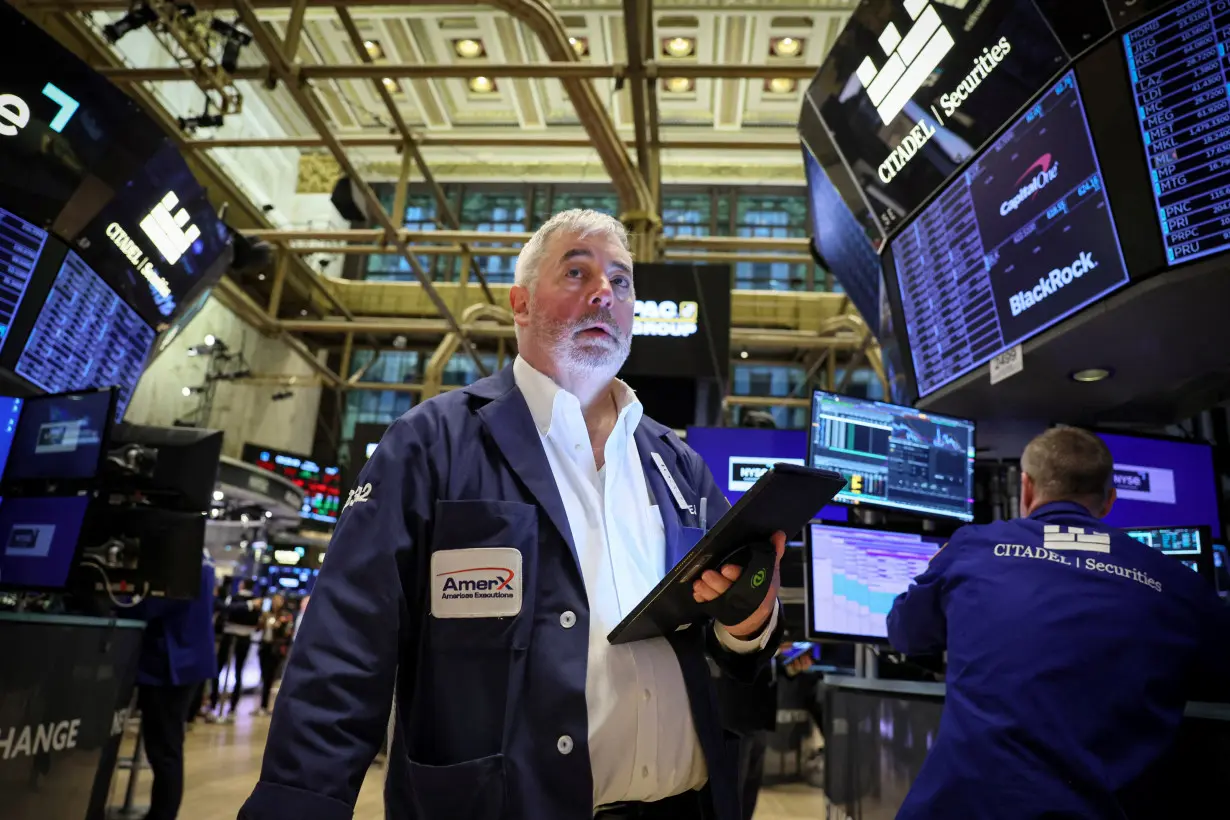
15 112
665 318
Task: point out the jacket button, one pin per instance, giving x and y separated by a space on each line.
564 744
568 619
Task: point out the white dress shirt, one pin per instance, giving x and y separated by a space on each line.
642 741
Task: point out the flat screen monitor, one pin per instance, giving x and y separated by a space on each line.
854 575
1162 482
1021 240
321 484
1176 63
185 468
843 243
10 411
39 539
911 90
85 336
681 325
21 245
61 437
1190 546
894 456
738 456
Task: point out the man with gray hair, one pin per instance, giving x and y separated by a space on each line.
494 539
1072 650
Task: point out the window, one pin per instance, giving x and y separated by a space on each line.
497 213
686 215
775 217
461 370
769 380
371 407
392 366
420 216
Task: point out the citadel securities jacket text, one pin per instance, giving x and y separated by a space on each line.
481 702
1072 651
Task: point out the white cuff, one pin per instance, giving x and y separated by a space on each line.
743 647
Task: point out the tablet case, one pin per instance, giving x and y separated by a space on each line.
785 498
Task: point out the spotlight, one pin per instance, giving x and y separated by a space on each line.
786 47
580 45
468 49
373 49
268 514
187 391
139 16
781 85
1091 374
218 495
743 354
678 47
236 39
281 395
190 124
210 340
482 85
678 85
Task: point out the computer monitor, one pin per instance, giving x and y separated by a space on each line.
10 411
185 469
1162 482
321 484
61 437
163 549
38 540
1221 569
894 456
853 576
1190 546
21 246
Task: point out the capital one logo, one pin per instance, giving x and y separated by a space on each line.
172 234
15 112
910 59
1045 175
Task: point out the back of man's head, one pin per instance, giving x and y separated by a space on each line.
1067 464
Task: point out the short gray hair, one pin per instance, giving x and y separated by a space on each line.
578 221
1069 464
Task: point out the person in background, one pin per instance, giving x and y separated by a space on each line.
242 611
177 654
1072 650
275 627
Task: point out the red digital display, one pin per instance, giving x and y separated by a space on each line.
322 486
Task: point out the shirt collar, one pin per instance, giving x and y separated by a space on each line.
1061 508
545 398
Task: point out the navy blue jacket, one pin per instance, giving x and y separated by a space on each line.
1072 651
481 702
178 647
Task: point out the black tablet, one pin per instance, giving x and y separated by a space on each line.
785 498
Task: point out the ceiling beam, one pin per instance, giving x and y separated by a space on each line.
492 141
418 71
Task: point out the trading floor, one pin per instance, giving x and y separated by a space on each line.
222 762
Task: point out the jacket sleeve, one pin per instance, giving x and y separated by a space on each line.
917 624
337 691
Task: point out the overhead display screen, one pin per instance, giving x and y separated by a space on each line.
1177 63
894 456
321 485
843 242
21 245
84 337
682 321
912 89
66 133
854 575
1021 240
157 242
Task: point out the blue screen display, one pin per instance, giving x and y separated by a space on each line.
737 456
21 245
59 437
85 336
853 576
38 540
10 411
1161 483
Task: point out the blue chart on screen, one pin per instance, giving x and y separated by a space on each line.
21 244
85 337
856 575
1178 68
893 456
1021 240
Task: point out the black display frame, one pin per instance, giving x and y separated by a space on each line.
810 632
9 483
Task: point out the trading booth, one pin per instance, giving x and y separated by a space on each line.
1028 201
107 245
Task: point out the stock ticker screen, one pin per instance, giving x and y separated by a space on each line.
1021 240
1187 545
85 336
893 456
21 244
321 485
854 575
1177 63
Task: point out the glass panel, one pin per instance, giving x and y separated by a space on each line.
607 203
778 217
461 371
498 212
420 216
373 406
686 214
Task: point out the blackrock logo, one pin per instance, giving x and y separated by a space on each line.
1042 173
665 318
909 60
747 470
1051 283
